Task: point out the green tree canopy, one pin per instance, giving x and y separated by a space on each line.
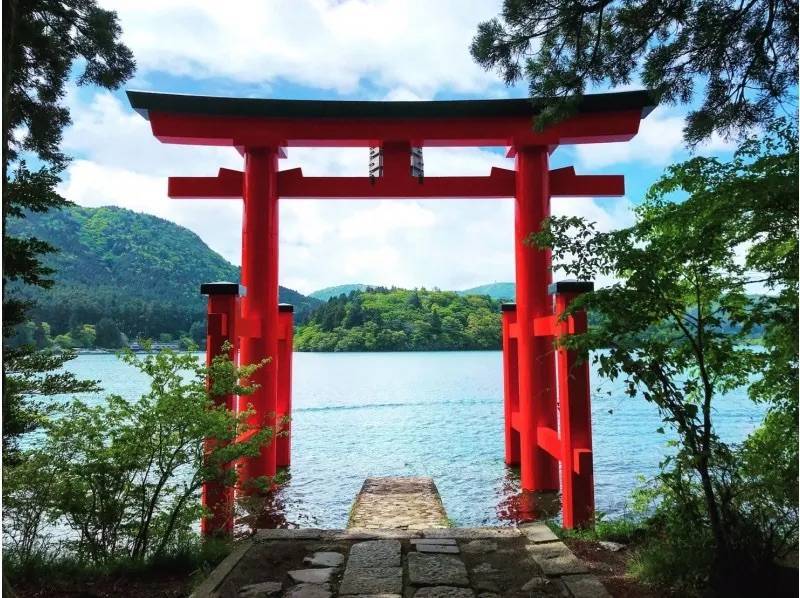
42 41
684 271
739 59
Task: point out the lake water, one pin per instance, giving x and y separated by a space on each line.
437 414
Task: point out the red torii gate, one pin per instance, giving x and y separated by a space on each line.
547 416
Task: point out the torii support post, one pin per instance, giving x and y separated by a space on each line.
283 449
575 414
510 382
223 309
260 305
570 442
537 396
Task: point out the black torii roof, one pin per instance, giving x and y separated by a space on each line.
173 103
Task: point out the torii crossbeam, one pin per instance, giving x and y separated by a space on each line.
539 433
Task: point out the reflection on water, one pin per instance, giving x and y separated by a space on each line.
438 414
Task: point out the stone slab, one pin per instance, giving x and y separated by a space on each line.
211 583
439 541
538 532
585 586
309 590
363 533
325 559
375 580
436 569
263 535
437 548
473 533
444 592
260 590
478 546
374 553
556 559
319 575
536 584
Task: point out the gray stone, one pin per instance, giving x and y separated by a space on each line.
537 583
473 533
612 546
322 575
538 532
439 548
488 595
373 580
260 590
444 592
309 590
436 569
440 541
362 533
556 559
288 534
479 546
486 585
324 559
585 586
483 568
374 553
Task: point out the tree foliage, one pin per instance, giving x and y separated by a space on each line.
739 59
684 270
42 41
383 319
124 476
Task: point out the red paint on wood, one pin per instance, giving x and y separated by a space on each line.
538 469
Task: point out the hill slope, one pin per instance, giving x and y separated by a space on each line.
499 291
401 320
141 271
342 289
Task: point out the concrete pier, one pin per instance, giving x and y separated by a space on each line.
398 503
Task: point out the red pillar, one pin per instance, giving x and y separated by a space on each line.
284 411
510 383
260 305
575 415
538 469
223 305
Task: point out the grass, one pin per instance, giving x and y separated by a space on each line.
193 559
625 530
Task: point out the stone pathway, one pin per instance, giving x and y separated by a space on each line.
398 503
398 545
524 562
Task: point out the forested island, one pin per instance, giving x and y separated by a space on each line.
381 319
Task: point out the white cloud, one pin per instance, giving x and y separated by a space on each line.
336 45
658 143
446 243
660 137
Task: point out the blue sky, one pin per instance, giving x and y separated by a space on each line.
325 49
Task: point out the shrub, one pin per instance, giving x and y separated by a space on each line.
124 476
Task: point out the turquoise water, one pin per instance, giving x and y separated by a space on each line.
438 414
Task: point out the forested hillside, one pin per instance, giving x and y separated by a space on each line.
383 319
342 289
134 272
500 291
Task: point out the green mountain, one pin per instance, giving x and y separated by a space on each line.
381 319
499 291
140 271
342 289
